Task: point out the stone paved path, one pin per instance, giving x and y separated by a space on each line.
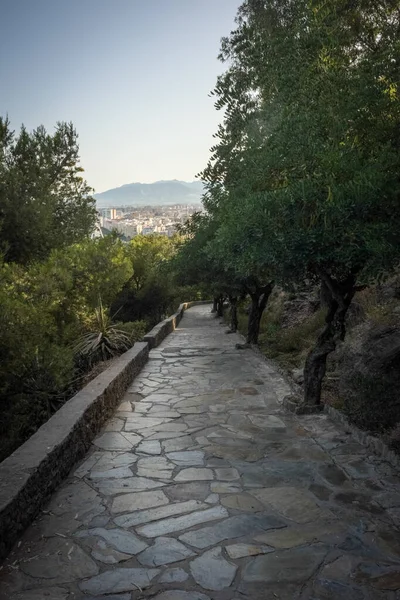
202 488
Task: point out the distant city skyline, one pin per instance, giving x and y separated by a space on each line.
132 76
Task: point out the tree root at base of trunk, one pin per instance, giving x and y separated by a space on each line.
242 346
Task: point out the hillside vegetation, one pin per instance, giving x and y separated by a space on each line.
68 303
303 195
300 229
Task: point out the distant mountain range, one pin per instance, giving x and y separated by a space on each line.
145 194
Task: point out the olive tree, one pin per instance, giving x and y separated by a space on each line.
307 154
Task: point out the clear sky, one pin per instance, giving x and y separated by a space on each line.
132 75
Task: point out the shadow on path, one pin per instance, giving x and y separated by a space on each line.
201 488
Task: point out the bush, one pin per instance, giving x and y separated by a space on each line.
34 394
135 330
289 346
103 341
54 331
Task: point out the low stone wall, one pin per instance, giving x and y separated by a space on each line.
293 403
30 475
376 445
161 330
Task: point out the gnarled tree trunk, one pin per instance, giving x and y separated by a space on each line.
259 298
220 306
215 305
338 297
234 318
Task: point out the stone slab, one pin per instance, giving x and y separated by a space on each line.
53 593
152 447
195 490
301 535
113 487
241 550
193 474
138 501
289 566
243 502
121 540
212 571
119 580
60 560
118 473
183 522
176 575
181 595
234 527
155 514
188 458
114 440
136 423
293 503
163 552
104 553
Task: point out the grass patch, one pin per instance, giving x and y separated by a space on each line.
288 346
381 312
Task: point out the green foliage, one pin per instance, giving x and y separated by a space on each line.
104 340
54 329
36 372
135 330
44 307
44 201
303 181
153 291
95 268
290 346
29 331
52 276
197 262
147 253
305 165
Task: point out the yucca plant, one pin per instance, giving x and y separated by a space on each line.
104 341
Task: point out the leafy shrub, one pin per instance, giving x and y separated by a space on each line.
135 330
104 341
54 330
290 346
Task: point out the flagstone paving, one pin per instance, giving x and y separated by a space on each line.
202 488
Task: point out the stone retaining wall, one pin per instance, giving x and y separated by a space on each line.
31 474
375 444
161 330
293 403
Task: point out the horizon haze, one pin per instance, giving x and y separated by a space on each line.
133 77
158 193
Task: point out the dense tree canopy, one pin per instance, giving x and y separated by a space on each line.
59 287
147 253
44 201
303 181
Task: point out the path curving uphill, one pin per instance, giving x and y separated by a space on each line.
202 488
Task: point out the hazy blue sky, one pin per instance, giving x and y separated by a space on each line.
132 75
